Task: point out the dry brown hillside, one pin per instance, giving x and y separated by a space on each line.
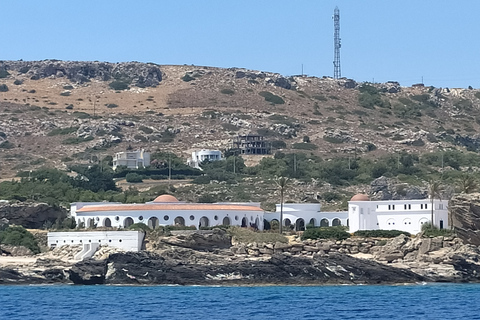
55 112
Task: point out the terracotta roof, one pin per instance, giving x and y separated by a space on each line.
168 206
360 197
165 198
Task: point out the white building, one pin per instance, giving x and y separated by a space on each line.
131 159
125 240
301 214
167 210
199 156
404 215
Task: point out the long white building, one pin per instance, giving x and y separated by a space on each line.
404 215
167 210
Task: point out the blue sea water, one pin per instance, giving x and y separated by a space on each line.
430 301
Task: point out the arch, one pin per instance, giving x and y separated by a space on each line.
257 222
244 222
312 223
300 225
274 224
204 222
127 222
107 223
153 222
266 225
179 221
348 222
79 222
90 223
226 221
324 222
287 222
336 222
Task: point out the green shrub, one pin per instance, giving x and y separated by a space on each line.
140 227
336 233
202 180
380 233
76 140
81 115
433 231
62 131
119 85
6 145
187 77
230 127
304 146
133 177
278 144
3 88
227 91
320 98
270 97
147 130
332 139
19 236
4 73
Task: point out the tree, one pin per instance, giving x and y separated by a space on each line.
435 190
282 184
467 183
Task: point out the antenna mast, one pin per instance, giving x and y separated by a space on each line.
336 61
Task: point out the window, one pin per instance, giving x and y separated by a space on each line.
393 207
421 206
192 217
409 206
236 218
120 240
389 208
166 217
425 206
140 218
404 207
215 217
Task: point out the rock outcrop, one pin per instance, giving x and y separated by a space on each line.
465 215
151 268
31 215
135 73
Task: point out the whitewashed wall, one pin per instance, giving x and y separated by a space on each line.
126 240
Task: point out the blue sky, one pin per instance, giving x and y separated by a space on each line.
381 40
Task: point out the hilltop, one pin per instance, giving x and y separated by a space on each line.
55 113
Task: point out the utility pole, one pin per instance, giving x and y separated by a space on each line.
337 74
169 168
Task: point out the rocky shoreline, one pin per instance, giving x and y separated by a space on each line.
211 259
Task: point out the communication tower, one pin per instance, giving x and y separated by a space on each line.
337 44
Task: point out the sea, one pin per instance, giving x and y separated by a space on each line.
419 301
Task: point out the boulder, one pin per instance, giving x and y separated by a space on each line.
31 215
465 217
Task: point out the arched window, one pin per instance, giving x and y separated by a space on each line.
127 222
226 221
300 225
336 222
153 222
204 222
324 222
179 221
107 223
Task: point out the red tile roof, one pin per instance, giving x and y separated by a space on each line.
168 206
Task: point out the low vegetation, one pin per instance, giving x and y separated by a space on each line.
334 233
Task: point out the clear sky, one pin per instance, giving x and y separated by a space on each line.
381 40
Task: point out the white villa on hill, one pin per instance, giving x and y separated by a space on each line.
131 159
199 156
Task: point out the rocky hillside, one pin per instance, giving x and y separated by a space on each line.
57 113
